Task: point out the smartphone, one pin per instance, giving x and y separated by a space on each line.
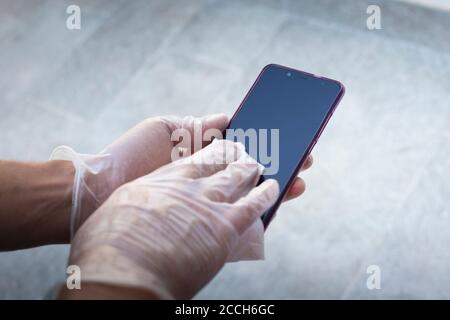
280 120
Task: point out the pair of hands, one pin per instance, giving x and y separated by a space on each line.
172 228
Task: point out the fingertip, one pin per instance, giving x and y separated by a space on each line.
254 204
271 188
308 163
218 121
297 188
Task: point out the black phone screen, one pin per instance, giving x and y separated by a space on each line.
280 120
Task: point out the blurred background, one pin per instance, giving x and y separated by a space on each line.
378 193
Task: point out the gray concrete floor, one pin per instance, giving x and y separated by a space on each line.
378 192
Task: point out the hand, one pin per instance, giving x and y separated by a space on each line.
141 150
171 231
298 187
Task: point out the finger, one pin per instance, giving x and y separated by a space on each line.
296 189
308 163
249 208
235 181
250 245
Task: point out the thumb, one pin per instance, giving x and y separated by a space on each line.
199 131
215 121
249 208
213 126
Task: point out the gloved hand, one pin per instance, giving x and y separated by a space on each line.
138 152
171 231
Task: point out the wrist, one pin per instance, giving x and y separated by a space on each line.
94 179
105 256
56 195
36 199
109 265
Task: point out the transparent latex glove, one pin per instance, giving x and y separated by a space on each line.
171 231
141 150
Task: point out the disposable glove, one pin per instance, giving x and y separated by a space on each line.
139 151
171 231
